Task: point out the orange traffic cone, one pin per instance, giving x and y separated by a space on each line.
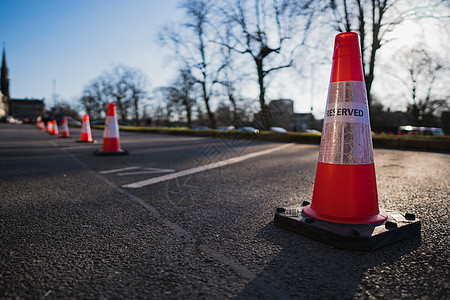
40 125
86 136
65 129
54 128
111 140
344 210
49 126
345 190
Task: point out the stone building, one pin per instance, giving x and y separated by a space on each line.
282 115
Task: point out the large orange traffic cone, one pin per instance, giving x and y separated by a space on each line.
65 129
49 126
54 128
111 140
345 190
344 210
86 136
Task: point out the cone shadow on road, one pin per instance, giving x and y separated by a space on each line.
324 271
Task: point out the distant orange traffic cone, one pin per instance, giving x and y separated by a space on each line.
111 140
86 136
49 126
344 210
65 129
54 128
40 125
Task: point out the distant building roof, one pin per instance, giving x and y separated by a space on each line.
22 108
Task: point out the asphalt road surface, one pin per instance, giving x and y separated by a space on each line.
189 217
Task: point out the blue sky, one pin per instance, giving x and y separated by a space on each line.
75 41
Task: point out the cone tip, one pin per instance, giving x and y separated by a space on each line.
111 110
346 44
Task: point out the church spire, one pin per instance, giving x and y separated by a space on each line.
4 81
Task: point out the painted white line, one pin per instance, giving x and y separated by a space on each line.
149 171
159 170
214 165
119 170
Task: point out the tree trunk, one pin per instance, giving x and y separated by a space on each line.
189 116
211 119
136 111
264 114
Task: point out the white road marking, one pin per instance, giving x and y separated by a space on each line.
237 267
149 171
214 165
119 170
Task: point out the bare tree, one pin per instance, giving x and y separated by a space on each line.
228 78
421 74
230 91
94 99
68 109
123 85
117 90
185 89
137 85
165 100
269 32
224 114
192 44
373 20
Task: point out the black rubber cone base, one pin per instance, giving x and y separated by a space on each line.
102 153
348 236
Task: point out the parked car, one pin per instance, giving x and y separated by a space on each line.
72 121
200 128
278 129
415 130
248 129
98 122
6 119
10 119
28 120
227 128
312 131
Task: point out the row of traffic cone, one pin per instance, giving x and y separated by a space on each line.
52 128
111 139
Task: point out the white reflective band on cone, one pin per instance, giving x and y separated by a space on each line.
86 128
111 128
346 134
